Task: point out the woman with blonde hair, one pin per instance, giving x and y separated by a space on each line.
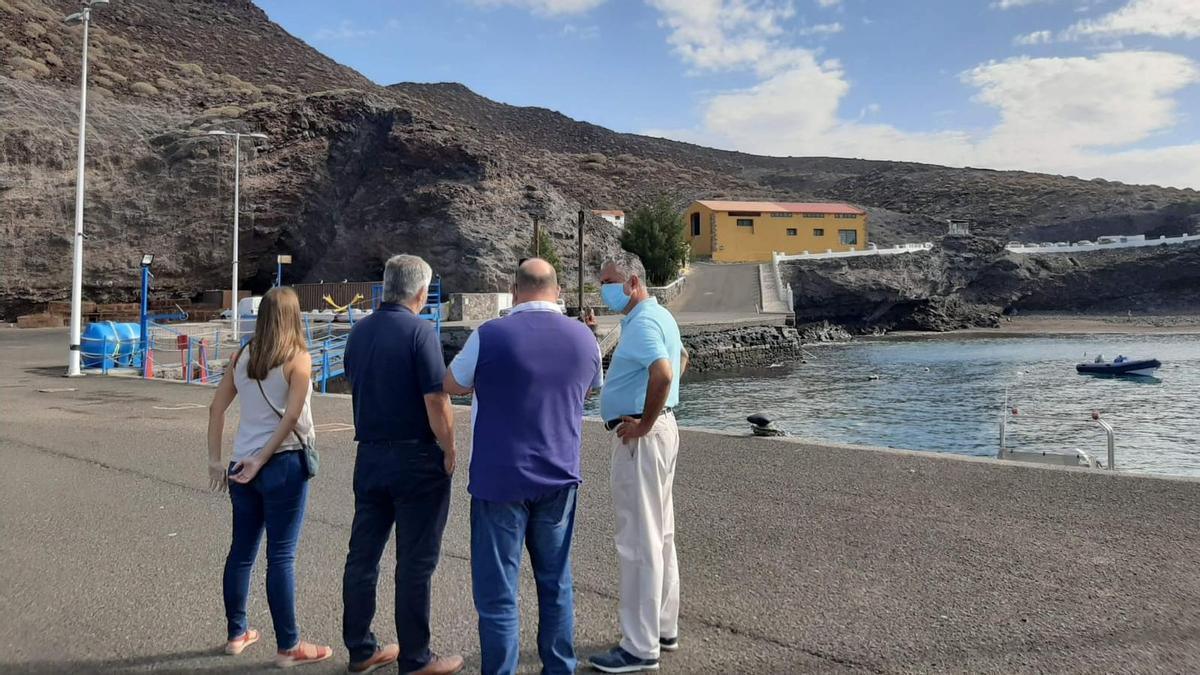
267 476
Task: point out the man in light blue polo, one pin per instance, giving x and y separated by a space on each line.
641 389
530 372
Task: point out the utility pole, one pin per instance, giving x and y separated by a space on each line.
537 237
73 357
581 264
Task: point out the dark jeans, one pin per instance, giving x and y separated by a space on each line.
498 532
274 501
403 486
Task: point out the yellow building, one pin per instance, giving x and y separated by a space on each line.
751 231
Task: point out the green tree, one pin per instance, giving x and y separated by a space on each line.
547 252
655 234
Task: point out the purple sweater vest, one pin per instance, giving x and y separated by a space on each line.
531 379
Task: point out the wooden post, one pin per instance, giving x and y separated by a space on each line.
581 264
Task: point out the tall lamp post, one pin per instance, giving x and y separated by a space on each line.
81 17
237 169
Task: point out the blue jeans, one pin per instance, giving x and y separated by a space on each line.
402 486
498 532
274 501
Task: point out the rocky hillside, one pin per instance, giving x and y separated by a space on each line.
353 171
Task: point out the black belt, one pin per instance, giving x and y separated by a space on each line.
613 424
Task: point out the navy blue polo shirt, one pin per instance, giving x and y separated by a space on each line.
393 359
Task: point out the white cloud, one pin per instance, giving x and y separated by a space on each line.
1012 4
1060 115
343 31
728 34
822 29
1164 18
1038 37
546 7
829 3
1068 104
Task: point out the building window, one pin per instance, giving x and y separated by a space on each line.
818 232
848 237
845 215
781 215
695 224
791 232
745 222
814 215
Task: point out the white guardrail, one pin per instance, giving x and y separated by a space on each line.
828 254
1063 247
1090 246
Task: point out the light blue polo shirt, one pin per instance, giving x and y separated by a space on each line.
648 333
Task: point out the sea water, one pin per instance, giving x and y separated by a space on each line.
947 394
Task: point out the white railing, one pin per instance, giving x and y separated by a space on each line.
1079 248
830 253
783 291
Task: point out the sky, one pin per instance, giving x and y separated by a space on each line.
1090 88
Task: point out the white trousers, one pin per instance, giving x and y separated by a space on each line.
643 474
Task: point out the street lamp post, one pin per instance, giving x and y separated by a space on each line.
237 170
82 17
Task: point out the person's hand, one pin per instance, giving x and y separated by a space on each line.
631 429
449 460
217 476
244 471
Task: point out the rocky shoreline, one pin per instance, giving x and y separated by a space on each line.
966 283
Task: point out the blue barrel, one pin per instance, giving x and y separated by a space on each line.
100 345
130 335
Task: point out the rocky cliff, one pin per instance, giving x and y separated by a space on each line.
965 282
353 171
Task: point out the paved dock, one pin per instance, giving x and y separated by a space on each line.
794 557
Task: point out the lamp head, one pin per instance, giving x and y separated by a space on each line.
147 259
74 19
94 3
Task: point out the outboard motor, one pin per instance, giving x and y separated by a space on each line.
761 425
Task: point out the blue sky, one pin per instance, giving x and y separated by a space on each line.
1094 88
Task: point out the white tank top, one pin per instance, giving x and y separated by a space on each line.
258 421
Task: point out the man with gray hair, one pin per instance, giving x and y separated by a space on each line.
640 391
404 426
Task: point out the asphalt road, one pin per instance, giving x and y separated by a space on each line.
794 557
719 289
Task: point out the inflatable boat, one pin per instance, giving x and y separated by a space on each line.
1121 366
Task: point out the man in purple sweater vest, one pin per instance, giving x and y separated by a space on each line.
530 372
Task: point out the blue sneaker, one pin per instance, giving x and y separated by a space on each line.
620 661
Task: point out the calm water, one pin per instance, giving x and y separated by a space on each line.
946 394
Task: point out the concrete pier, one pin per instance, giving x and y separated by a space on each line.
794 557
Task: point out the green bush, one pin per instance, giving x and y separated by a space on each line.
143 89
190 69
36 68
655 234
547 252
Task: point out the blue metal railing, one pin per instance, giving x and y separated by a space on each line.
433 307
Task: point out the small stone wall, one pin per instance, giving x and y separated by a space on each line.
743 347
666 294
478 306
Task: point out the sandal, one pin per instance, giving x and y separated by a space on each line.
303 653
238 644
